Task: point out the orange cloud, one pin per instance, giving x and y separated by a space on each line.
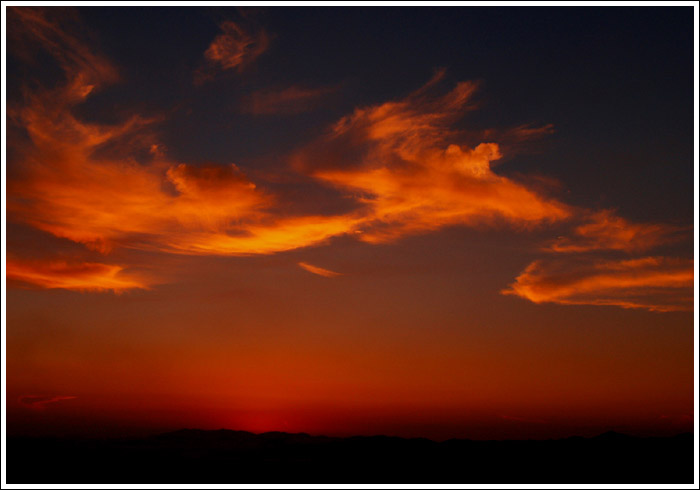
39 402
275 234
407 181
64 185
318 270
64 191
292 100
652 283
167 206
81 276
234 48
397 159
178 208
63 188
606 231
400 162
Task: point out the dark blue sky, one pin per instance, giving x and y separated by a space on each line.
616 83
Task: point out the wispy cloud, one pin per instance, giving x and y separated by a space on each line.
233 49
403 163
527 132
113 201
62 187
318 270
582 274
400 163
652 283
78 276
604 230
291 100
35 402
39 28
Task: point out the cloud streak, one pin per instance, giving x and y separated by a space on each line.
606 231
319 271
653 283
35 402
291 100
77 276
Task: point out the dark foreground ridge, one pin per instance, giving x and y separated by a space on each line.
227 456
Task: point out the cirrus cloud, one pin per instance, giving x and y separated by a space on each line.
319 271
76 276
409 178
403 163
653 283
604 230
291 100
400 164
39 402
233 49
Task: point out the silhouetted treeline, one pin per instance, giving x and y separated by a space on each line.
225 456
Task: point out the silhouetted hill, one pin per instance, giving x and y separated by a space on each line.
228 456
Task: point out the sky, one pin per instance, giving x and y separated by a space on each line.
471 222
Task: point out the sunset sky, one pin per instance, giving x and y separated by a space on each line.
437 222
